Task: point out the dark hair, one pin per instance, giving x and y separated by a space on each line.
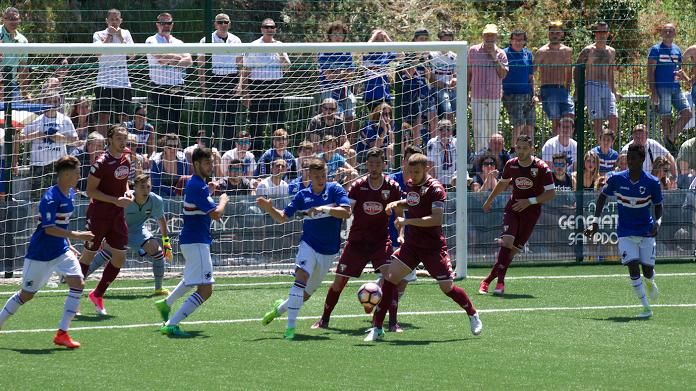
140 178
337 24
59 60
201 153
241 134
279 159
75 105
601 23
65 163
203 134
560 155
317 164
445 32
485 157
139 108
235 161
636 147
608 132
170 137
640 128
114 129
524 138
379 152
519 32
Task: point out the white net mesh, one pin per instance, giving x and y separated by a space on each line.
337 104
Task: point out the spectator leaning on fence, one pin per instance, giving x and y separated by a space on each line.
664 61
202 140
112 92
519 96
562 143
93 148
621 163
653 149
262 86
600 90
687 157
17 62
235 184
223 82
554 63
607 156
82 118
377 132
167 72
487 177
54 84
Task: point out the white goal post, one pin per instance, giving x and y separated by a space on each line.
302 101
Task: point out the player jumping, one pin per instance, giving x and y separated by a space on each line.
107 185
140 239
368 240
195 241
425 200
532 185
50 250
635 191
325 206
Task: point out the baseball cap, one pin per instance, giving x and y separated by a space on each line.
490 29
421 31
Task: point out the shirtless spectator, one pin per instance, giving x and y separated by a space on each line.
600 91
553 61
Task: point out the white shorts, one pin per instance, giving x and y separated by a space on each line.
412 277
315 264
36 273
638 248
199 265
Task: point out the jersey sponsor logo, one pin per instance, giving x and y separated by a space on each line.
372 208
514 166
363 188
412 198
534 171
63 204
121 172
523 183
385 194
210 199
307 200
48 216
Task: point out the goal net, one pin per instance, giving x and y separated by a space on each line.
264 108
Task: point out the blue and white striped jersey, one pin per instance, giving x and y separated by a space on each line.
634 200
197 204
55 209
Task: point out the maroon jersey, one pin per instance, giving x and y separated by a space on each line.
529 181
113 175
371 223
421 202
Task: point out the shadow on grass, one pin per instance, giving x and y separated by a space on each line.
298 337
413 343
192 334
621 319
38 351
110 297
512 296
93 317
407 327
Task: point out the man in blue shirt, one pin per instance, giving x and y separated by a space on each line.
518 86
635 191
50 250
140 239
324 205
664 61
194 240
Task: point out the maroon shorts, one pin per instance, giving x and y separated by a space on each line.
355 257
436 261
115 231
519 225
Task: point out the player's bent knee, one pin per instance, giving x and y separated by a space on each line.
151 247
75 282
26 296
446 286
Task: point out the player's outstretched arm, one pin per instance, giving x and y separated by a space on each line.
339 212
601 201
275 214
499 187
54 230
217 213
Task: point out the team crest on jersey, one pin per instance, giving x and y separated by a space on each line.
29 284
624 255
385 194
372 208
505 228
343 268
423 190
412 198
208 275
641 190
325 196
121 172
534 171
523 183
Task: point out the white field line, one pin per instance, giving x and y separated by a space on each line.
131 326
135 288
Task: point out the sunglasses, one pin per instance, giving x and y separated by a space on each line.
268 27
236 170
244 142
601 32
445 129
489 164
169 23
559 164
222 21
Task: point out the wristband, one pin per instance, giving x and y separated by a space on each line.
326 210
165 240
533 200
658 221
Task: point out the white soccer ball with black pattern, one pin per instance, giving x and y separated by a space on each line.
370 294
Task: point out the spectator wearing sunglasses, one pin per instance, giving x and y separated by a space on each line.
223 81
167 72
235 184
329 123
241 152
561 178
487 178
262 86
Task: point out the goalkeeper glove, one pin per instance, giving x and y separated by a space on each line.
167 249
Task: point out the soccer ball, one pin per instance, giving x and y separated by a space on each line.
369 294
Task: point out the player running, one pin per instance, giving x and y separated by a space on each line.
368 240
195 240
325 205
425 200
50 250
635 191
532 185
107 185
140 239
